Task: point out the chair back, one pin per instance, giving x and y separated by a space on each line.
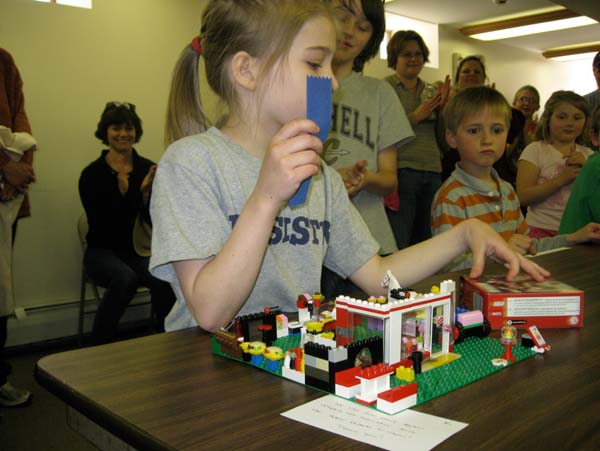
82 230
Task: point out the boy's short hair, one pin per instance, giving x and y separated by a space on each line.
118 113
596 62
470 101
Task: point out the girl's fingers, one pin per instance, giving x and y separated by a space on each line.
533 269
302 165
513 262
477 265
294 128
297 143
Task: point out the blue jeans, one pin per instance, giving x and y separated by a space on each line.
121 275
412 224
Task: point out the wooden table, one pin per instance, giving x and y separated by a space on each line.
168 391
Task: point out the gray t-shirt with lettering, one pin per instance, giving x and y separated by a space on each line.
201 186
367 118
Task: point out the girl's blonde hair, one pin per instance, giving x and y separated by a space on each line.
542 132
527 88
263 28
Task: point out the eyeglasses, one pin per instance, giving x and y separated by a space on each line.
409 55
529 100
113 105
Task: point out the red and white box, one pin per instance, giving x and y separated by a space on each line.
547 304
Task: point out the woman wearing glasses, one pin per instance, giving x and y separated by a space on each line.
419 165
527 101
115 192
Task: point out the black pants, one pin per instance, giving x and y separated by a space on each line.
121 275
333 285
4 365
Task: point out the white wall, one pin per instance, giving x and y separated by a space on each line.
508 67
72 62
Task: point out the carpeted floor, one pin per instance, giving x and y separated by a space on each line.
42 424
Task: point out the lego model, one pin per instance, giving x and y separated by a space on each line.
509 339
533 339
470 323
383 352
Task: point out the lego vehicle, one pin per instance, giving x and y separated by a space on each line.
470 323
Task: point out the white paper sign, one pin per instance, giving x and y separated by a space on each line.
543 306
405 430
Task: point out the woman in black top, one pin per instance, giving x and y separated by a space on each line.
115 190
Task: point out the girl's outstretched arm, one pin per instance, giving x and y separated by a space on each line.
417 262
216 288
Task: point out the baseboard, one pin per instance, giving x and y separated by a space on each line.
49 323
95 434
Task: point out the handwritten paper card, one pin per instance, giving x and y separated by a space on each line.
405 430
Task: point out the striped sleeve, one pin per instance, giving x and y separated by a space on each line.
447 210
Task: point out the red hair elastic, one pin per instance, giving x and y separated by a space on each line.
196 45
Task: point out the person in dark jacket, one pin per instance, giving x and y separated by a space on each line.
115 192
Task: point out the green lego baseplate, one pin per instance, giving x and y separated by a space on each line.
475 362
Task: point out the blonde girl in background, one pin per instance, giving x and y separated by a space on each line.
224 235
548 166
527 101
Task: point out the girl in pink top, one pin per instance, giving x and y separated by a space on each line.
548 166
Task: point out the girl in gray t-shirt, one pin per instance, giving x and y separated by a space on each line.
224 235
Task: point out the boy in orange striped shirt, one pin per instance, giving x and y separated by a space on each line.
477 125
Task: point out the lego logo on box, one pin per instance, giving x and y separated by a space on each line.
547 304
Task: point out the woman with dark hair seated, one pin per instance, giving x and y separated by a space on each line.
115 192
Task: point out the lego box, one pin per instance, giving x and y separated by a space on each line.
547 304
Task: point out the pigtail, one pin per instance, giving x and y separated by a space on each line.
185 114
263 28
